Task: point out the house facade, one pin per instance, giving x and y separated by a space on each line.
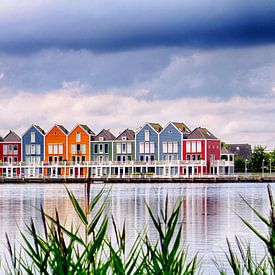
56 149
102 146
79 148
201 149
10 154
124 146
33 150
147 142
170 141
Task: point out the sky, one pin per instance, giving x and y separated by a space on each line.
119 64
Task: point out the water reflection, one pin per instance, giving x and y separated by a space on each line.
208 210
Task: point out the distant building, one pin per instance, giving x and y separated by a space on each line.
33 150
10 154
124 146
102 146
201 149
147 142
241 150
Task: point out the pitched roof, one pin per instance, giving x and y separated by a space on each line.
63 129
39 129
129 134
182 127
11 137
156 126
242 150
106 134
201 133
87 129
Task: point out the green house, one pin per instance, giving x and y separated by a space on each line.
102 146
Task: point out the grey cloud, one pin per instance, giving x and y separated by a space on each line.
103 26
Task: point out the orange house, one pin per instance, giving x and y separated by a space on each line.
56 150
79 149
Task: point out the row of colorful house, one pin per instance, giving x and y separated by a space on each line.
151 149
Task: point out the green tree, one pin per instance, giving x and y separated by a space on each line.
257 157
239 163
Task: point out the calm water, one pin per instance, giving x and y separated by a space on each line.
208 211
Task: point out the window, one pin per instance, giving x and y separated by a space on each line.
28 149
188 157
83 148
188 147
78 137
32 137
129 148
123 148
147 147
60 148
124 138
199 157
175 147
152 147
78 149
37 149
101 138
33 149
106 148
100 148
146 135
141 147
73 148
96 149
50 159
83 158
5 151
60 158
170 147
164 147
50 148
152 158
194 146
193 157
118 148
141 158
55 148
118 158
55 133
198 146
129 158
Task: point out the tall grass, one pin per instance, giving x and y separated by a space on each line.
244 260
86 248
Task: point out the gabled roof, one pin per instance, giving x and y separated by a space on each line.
181 127
65 131
87 129
11 137
61 127
242 150
39 129
129 134
156 126
201 133
106 134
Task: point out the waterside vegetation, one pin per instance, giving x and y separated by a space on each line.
86 247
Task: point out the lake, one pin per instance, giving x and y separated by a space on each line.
208 211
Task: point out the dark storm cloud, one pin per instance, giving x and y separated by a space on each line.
119 25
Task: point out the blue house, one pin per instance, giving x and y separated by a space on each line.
33 150
147 139
170 141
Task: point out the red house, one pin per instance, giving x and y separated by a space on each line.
200 151
10 154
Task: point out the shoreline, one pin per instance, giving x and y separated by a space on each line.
114 180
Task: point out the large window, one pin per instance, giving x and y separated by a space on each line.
118 148
28 149
129 148
32 137
33 149
50 148
78 137
146 135
194 146
141 147
198 146
152 147
124 148
83 148
5 150
188 147
100 148
73 149
106 148
147 147
37 149
164 147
